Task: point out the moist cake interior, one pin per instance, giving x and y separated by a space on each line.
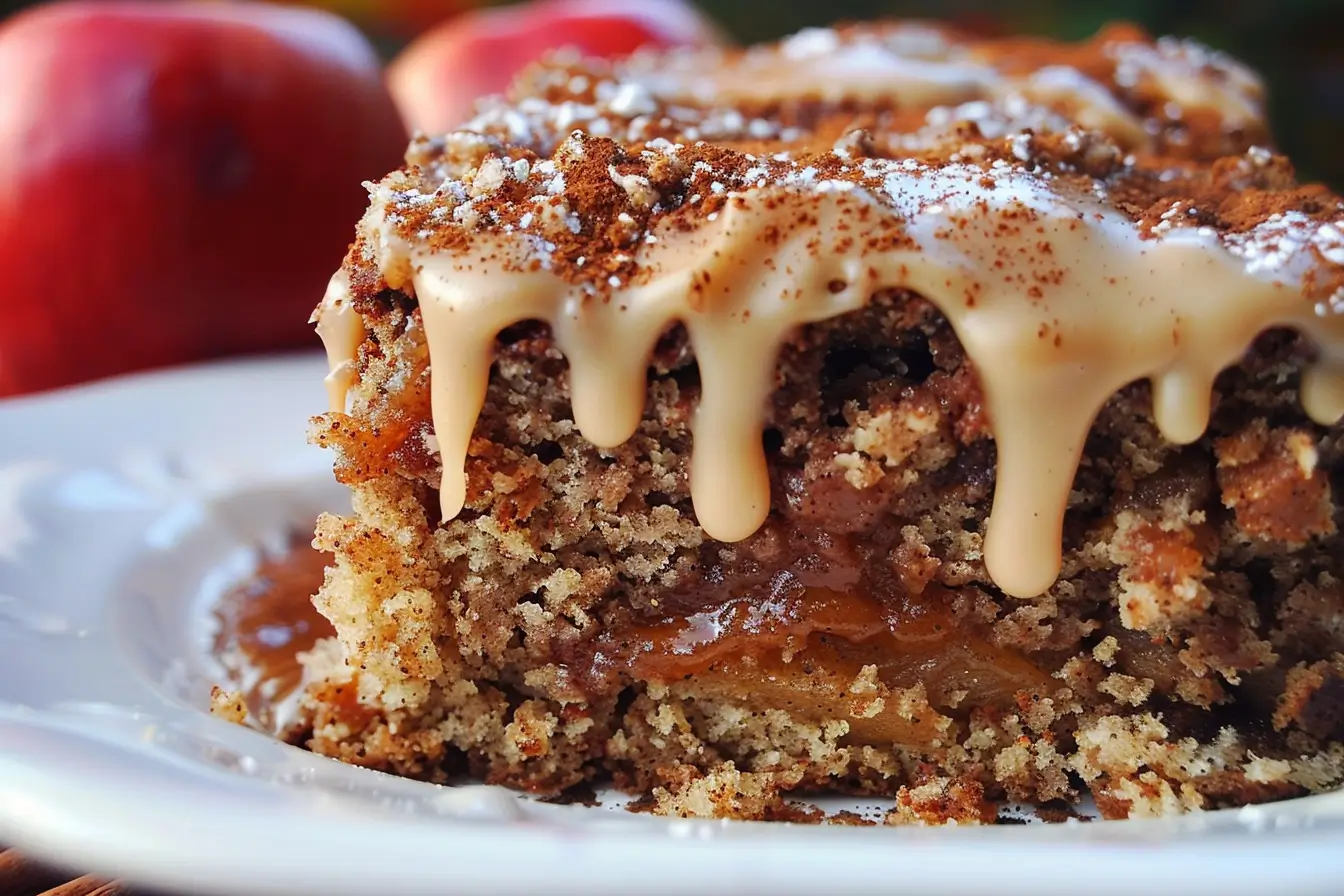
544 607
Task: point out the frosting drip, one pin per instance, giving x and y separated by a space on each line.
1060 293
1037 285
341 331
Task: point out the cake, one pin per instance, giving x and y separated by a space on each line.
886 411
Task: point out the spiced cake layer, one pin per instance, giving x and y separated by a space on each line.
883 411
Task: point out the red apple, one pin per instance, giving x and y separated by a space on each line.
177 181
437 78
396 17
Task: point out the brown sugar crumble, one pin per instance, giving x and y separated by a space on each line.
884 411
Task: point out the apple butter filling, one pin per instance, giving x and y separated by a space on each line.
803 650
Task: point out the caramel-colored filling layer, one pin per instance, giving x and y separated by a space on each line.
804 653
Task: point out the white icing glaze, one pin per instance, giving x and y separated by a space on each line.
341 331
1037 285
1057 299
919 66
1193 77
1093 106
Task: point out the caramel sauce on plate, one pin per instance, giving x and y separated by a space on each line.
804 651
266 621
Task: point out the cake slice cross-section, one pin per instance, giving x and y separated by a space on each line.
884 411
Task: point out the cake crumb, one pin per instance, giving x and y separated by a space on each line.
228 705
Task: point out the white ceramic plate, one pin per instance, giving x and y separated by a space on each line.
124 507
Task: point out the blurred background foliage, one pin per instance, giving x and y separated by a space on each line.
1297 44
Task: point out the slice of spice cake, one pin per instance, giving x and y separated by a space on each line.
882 411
